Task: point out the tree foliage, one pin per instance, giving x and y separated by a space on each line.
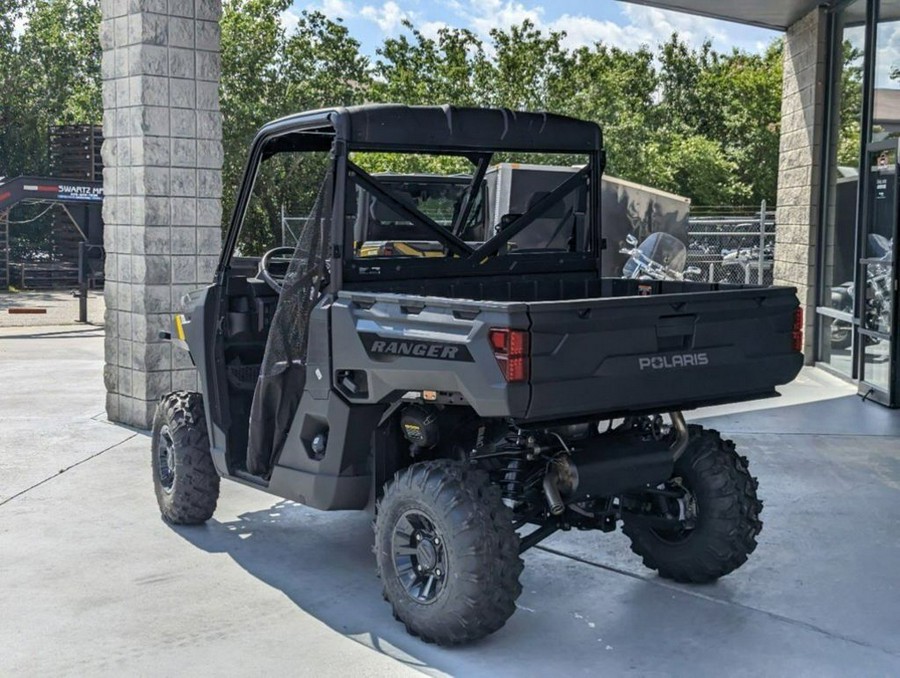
691 121
686 119
267 73
49 75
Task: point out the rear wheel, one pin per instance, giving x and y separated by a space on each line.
447 553
184 478
713 510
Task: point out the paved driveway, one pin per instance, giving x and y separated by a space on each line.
94 583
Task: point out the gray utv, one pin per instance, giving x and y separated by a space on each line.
476 382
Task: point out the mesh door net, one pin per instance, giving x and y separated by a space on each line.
282 376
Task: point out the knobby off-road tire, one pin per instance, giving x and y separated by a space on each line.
184 478
477 554
727 520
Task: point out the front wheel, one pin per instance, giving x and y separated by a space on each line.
447 553
709 511
184 477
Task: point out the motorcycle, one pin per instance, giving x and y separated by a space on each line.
661 256
877 304
748 255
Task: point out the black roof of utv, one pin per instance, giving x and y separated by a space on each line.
445 128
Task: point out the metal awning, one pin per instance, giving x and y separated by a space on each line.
773 14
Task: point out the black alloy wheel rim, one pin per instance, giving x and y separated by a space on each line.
420 558
684 511
165 459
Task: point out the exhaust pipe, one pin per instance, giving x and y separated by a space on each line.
682 436
615 471
552 493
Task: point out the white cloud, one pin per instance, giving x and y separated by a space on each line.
483 15
638 24
430 29
643 26
585 31
887 52
660 24
388 17
337 9
289 20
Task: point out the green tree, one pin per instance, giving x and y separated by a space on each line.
744 90
850 107
50 75
451 68
267 73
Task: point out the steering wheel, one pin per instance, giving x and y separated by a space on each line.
273 266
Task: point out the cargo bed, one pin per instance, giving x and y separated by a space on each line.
604 347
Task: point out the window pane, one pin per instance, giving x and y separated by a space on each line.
839 233
437 186
886 106
284 192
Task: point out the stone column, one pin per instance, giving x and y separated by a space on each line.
162 181
800 163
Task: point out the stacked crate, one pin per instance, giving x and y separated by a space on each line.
74 154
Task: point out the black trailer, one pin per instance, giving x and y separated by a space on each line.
82 203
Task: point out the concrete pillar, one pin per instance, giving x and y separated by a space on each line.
800 162
162 180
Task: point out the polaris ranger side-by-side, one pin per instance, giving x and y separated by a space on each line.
480 391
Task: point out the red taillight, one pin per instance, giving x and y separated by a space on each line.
797 333
511 350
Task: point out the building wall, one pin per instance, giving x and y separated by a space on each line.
162 180
800 162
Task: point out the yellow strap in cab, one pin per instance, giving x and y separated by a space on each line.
179 328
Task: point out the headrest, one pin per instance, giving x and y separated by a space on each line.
380 212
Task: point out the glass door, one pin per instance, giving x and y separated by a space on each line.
874 293
837 243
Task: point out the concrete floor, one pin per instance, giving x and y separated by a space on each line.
58 307
94 583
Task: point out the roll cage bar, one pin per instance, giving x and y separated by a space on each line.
385 128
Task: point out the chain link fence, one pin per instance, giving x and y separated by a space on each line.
727 244
732 244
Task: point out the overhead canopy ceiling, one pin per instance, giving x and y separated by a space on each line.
774 14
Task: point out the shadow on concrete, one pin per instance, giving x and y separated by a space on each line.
35 296
572 618
322 561
82 331
819 594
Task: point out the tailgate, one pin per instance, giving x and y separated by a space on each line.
671 351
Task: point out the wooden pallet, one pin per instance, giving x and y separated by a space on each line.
75 152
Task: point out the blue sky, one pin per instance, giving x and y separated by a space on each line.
586 21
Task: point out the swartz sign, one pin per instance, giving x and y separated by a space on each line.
52 190
75 192
63 191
